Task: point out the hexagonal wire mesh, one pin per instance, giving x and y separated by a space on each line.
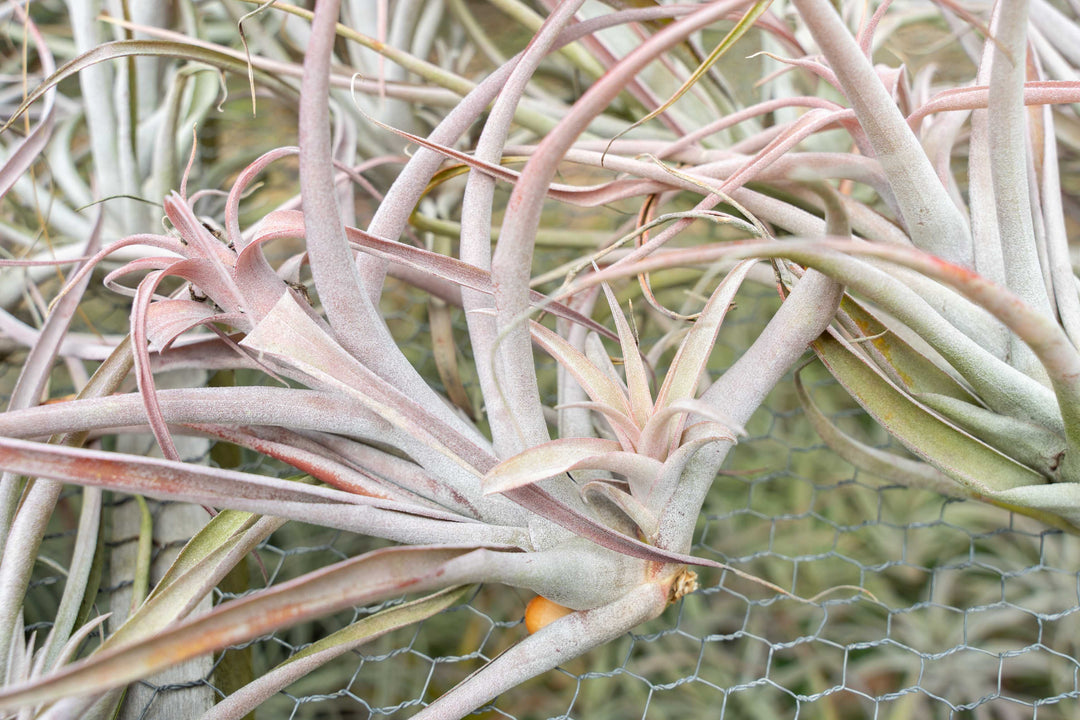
912 605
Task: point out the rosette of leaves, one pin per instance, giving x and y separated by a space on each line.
980 384
600 518
960 334
382 452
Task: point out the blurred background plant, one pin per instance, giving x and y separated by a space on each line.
933 607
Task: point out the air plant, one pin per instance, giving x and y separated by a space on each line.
598 521
975 372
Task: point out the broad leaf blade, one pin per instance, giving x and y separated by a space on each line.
1030 444
1058 500
194 574
633 508
546 460
974 464
290 336
368 578
550 646
886 465
319 653
154 477
222 528
682 377
653 440
596 384
904 364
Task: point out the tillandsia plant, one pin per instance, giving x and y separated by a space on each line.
591 502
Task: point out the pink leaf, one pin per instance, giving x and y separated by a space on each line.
682 377
165 321
637 377
546 460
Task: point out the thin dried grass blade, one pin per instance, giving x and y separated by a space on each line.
129 48
741 28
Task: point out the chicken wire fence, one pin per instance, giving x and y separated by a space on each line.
906 604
